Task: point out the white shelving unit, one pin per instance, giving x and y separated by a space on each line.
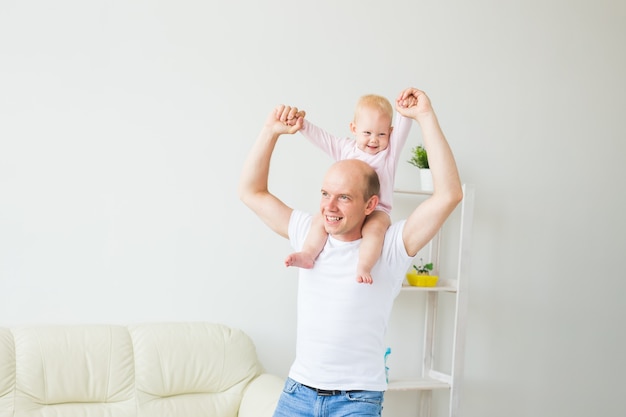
430 378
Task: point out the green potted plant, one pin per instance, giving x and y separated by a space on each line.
419 159
420 276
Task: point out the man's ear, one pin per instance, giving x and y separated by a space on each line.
371 204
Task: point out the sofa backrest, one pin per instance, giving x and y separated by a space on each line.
75 370
192 369
7 372
148 370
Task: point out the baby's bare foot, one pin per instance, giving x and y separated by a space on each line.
300 259
364 277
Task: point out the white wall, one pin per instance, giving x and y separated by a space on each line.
123 128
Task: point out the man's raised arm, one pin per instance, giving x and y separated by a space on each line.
253 189
429 216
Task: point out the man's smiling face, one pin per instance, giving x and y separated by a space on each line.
343 203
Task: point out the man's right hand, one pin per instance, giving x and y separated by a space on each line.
285 119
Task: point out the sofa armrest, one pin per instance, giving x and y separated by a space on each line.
261 396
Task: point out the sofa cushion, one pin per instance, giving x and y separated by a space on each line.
7 372
147 370
74 370
188 369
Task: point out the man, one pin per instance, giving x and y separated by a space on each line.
339 366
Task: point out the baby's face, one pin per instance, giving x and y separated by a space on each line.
371 129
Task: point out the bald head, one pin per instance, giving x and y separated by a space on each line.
356 173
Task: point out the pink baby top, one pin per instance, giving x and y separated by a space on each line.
384 162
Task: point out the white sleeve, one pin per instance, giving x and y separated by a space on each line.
299 226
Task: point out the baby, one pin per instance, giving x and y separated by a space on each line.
375 144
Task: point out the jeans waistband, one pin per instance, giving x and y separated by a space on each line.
327 392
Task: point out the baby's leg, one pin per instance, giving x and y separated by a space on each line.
373 231
313 245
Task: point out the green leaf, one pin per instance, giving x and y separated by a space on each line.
419 158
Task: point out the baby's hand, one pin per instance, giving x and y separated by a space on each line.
407 99
300 114
286 119
413 103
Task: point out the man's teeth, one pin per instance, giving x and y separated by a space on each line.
333 219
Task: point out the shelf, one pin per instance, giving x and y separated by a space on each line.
443 285
431 378
413 192
417 384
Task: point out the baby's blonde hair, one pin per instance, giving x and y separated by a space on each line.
376 102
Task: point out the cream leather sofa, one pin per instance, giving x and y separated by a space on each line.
146 370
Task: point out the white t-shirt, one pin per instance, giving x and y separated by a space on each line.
342 323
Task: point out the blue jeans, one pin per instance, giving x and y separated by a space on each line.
298 400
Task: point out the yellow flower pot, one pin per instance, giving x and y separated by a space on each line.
420 280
